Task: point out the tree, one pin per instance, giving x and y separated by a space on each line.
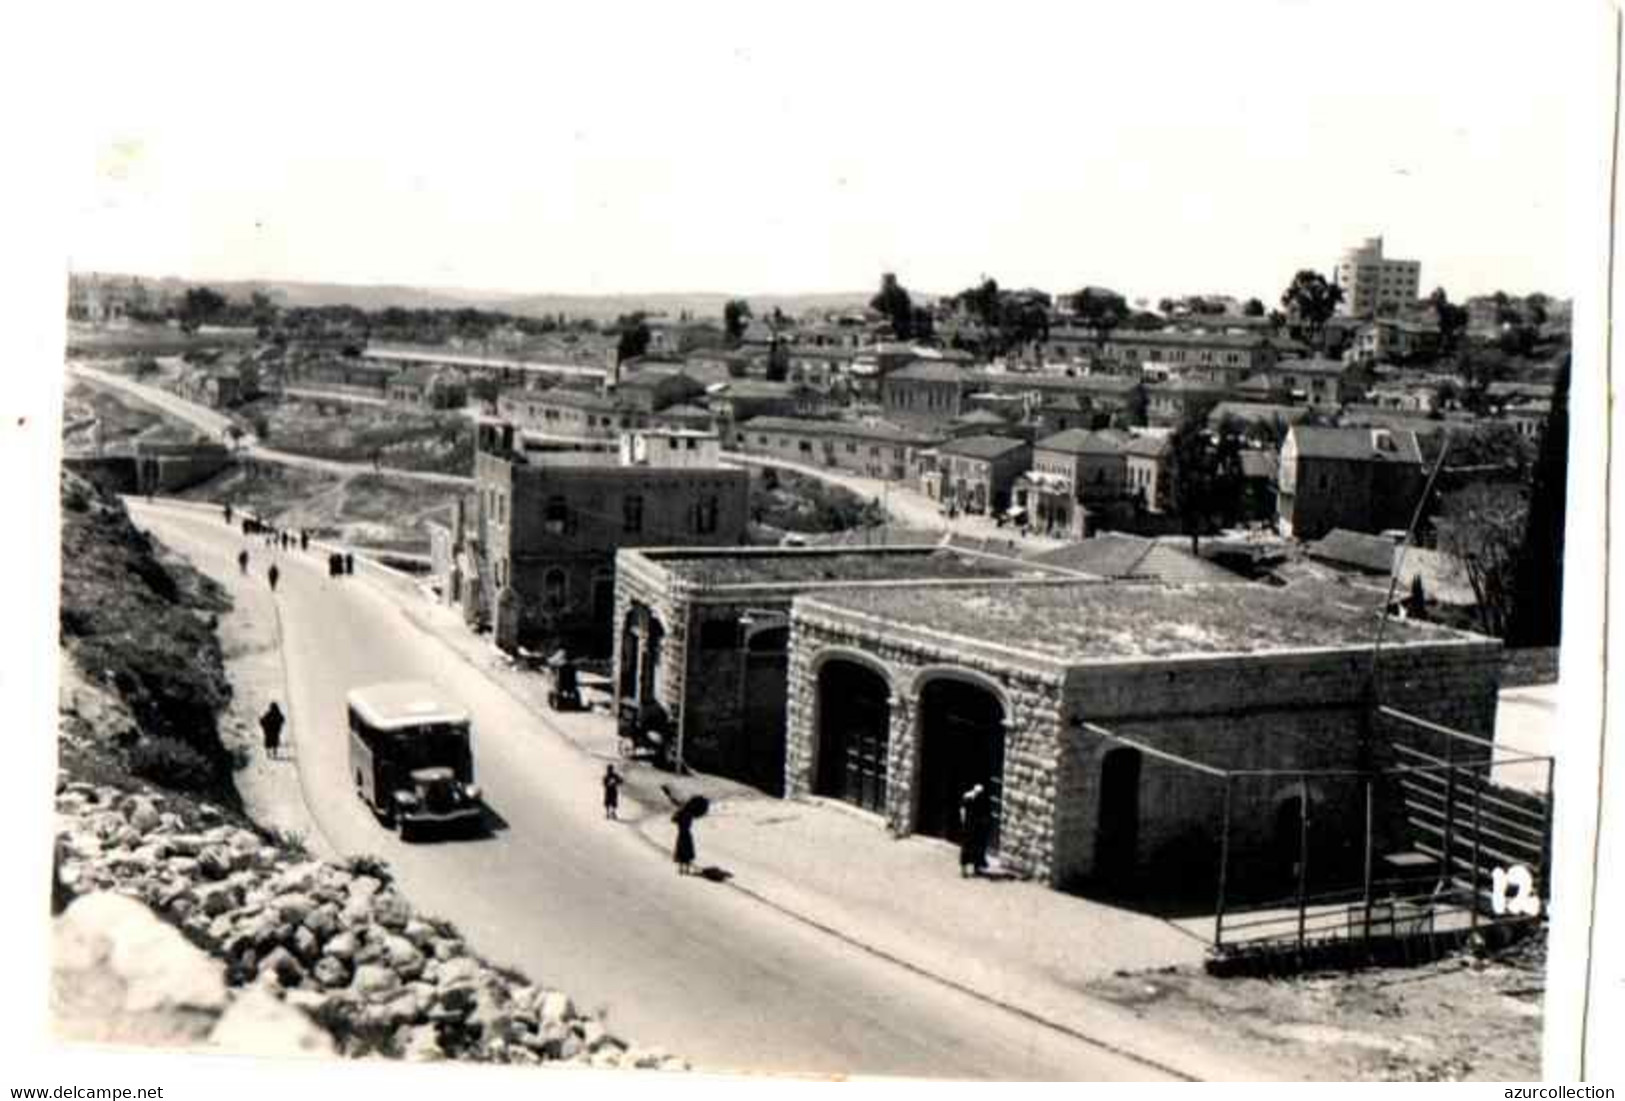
1481 526
1537 610
634 338
200 306
1208 482
1310 300
735 316
1452 319
893 303
1253 308
1102 310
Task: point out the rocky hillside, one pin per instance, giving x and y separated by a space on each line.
143 629
153 850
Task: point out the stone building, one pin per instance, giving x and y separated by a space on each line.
872 449
1362 479
979 472
703 636
548 525
900 698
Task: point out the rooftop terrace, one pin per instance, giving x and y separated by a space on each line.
1088 622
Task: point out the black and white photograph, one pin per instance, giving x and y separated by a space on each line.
624 544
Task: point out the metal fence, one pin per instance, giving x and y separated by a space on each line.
1449 835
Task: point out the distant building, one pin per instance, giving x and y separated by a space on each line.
978 472
874 450
1374 284
1394 340
1319 383
548 525
1148 472
1362 479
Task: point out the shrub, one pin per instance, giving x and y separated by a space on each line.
172 764
367 864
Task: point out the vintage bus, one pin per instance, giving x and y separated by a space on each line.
412 757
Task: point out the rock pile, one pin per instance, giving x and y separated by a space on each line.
337 942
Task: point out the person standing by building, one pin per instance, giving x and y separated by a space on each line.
271 726
612 792
975 830
273 575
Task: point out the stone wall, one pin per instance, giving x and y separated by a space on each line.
1029 690
1284 712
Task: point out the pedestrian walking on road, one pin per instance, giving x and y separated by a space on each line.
332 564
349 562
683 852
612 792
228 512
304 539
271 726
242 560
975 830
273 575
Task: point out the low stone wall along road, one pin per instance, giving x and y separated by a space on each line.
585 905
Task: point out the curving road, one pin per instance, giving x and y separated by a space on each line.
585 904
216 426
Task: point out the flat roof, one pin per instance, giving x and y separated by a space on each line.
400 704
1084 622
817 566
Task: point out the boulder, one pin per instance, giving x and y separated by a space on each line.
258 1023
142 815
375 981
342 946
305 945
283 966
455 972
449 948
418 1043
120 975
293 908
332 972
215 862
391 911
403 956
217 898
556 1008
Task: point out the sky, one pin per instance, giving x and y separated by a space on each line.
781 148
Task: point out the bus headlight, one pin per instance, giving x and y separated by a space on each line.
473 792
406 798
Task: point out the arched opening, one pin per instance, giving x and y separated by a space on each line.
961 744
641 638
854 734
765 686
1117 835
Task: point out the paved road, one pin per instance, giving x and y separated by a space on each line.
215 426
903 504
587 905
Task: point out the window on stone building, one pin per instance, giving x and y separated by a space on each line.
556 516
705 516
553 588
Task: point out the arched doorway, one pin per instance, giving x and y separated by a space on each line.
1117 835
961 743
765 686
641 638
854 734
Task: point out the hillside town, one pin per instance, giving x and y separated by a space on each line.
1198 625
